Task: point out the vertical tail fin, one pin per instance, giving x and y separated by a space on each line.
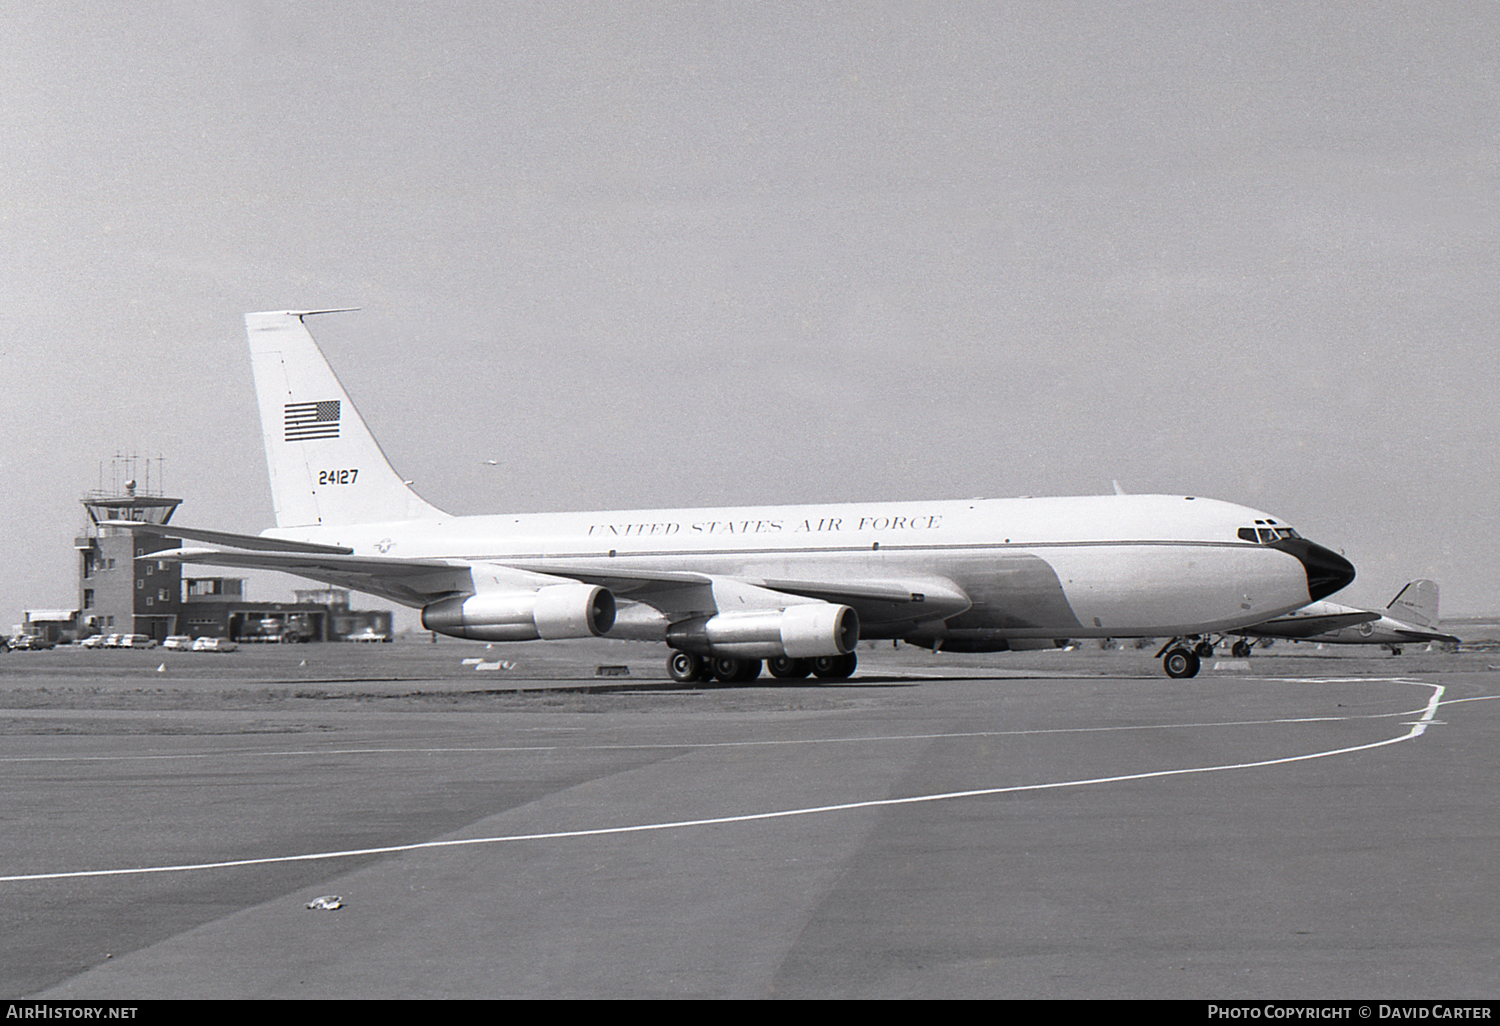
325 466
1416 604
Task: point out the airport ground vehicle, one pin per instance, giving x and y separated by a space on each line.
214 645
369 634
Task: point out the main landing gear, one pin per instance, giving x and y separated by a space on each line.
1239 647
1183 661
689 668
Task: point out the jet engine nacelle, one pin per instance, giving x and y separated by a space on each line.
803 631
555 611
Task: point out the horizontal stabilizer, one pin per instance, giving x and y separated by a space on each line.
1429 636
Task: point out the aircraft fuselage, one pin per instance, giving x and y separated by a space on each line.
1091 566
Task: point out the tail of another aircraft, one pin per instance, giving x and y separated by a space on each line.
325 466
1416 604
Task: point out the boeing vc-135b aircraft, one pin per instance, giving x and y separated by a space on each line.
726 588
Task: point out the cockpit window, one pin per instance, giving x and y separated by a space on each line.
1266 531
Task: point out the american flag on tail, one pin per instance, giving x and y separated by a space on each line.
306 421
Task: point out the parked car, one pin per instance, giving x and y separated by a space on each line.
112 640
214 645
178 643
370 634
22 642
93 641
137 641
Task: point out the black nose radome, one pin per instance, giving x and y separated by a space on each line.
1327 571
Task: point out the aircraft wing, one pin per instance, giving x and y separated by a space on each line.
882 601
1305 626
875 600
624 580
239 541
411 582
417 582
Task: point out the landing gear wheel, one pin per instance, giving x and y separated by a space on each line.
1203 650
1240 650
730 670
835 667
787 668
687 668
1181 663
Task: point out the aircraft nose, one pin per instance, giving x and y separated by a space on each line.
1327 571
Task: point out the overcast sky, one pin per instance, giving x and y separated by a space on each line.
672 254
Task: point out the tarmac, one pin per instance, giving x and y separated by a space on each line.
562 821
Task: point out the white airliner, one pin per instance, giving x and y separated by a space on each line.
1411 617
727 588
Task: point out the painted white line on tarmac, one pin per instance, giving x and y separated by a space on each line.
685 745
1416 730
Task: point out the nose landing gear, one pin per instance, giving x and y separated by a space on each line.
1180 661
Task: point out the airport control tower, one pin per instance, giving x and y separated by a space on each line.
120 589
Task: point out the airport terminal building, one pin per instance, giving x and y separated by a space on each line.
123 590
